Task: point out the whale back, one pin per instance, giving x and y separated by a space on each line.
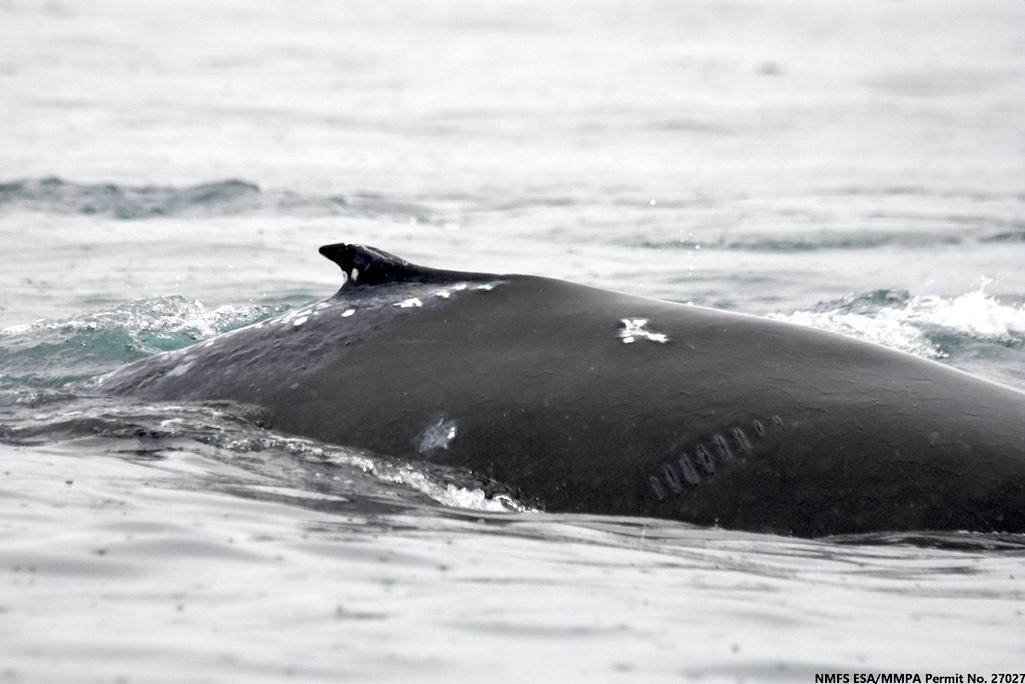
594 401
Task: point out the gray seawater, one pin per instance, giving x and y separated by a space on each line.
167 171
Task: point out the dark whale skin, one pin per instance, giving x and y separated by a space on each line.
734 420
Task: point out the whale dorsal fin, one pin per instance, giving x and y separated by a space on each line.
365 266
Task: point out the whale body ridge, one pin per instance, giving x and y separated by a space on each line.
594 401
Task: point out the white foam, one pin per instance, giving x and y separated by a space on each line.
159 317
476 499
17 329
908 327
881 328
444 493
409 303
975 313
348 312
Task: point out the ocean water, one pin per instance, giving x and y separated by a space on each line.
167 171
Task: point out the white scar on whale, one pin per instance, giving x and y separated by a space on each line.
634 328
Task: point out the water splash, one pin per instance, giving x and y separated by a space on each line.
52 352
157 321
926 325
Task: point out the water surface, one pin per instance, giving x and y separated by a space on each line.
168 171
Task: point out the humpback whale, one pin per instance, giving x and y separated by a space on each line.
587 400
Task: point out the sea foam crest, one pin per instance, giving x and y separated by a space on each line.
915 323
150 320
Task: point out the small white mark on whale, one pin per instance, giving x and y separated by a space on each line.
409 303
180 369
438 435
634 328
348 312
299 321
355 274
444 294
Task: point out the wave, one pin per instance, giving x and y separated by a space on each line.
857 239
218 198
842 219
50 353
928 325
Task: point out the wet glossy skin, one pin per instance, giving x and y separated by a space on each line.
594 401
